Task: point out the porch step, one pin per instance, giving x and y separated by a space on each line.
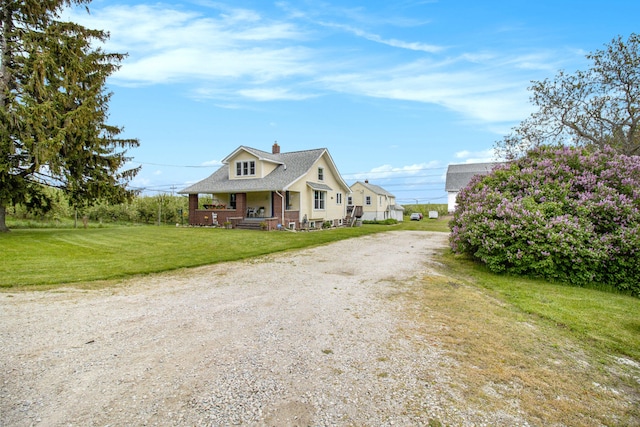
249 225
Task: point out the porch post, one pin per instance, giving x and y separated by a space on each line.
241 204
193 206
278 206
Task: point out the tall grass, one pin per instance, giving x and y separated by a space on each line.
604 319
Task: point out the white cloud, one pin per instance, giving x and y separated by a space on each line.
482 92
482 156
237 54
389 171
167 45
271 94
417 46
139 182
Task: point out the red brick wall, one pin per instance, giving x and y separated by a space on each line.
204 216
193 207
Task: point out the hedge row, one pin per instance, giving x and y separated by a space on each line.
565 214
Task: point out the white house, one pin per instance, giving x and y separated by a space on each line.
458 176
376 202
300 189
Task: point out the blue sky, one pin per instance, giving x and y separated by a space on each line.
395 90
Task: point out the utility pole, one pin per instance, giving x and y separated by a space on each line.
160 202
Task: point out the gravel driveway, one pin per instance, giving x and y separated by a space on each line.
310 337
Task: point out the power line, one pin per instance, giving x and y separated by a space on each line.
175 166
397 175
397 171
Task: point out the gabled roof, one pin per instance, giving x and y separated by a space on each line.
458 176
374 189
261 155
291 167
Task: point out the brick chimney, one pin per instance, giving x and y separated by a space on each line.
276 148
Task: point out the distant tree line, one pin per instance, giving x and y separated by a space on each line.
157 209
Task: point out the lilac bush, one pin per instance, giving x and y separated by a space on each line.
564 214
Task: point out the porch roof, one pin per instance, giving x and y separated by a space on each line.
318 186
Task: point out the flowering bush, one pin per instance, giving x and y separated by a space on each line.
565 214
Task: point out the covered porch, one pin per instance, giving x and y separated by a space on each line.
264 210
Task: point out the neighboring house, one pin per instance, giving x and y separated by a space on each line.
458 176
258 189
376 202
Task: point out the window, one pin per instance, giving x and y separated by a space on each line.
232 200
338 198
245 168
320 174
350 200
367 200
318 199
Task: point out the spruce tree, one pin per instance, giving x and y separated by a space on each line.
54 109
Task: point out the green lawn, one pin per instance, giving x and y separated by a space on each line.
50 256
36 257
607 320
440 224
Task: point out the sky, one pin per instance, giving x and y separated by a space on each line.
395 90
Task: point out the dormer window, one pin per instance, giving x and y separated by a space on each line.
320 174
246 168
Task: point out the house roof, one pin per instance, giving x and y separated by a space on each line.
376 189
291 167
261 155
458 176
319 186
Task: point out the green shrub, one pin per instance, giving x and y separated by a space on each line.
107 212
564 214
388 221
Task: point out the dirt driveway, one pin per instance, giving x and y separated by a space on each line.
311 337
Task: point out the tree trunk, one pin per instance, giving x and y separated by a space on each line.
3 224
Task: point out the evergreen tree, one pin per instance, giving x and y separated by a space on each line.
54 108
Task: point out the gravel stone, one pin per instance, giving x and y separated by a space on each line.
307 337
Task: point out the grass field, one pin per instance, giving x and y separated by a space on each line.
38 257
566 364
491 324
